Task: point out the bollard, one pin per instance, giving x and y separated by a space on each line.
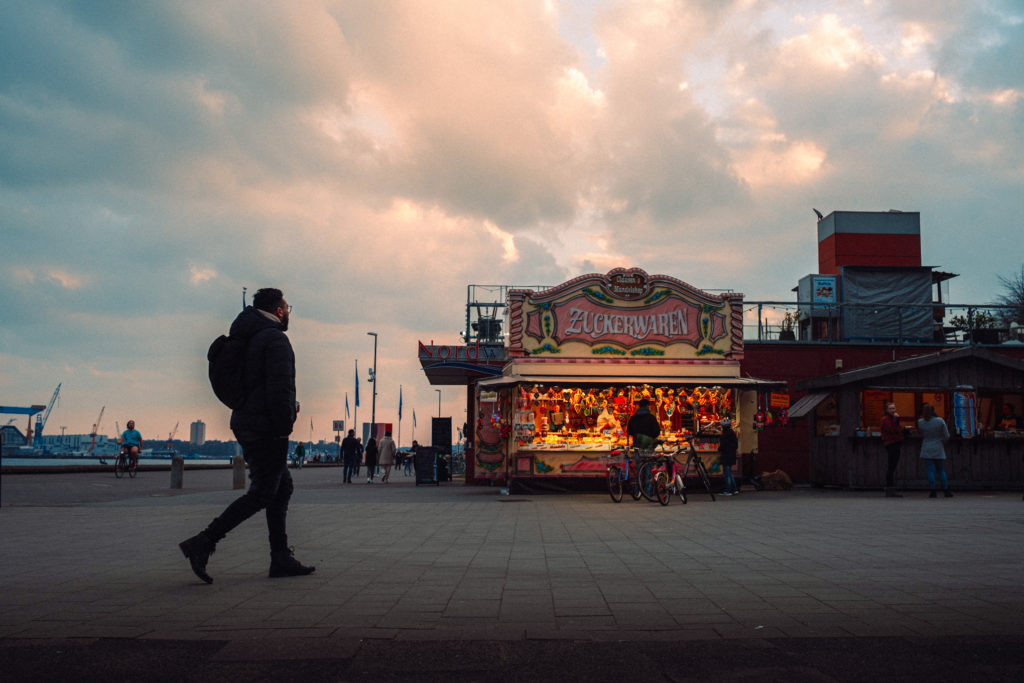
177 471
238 471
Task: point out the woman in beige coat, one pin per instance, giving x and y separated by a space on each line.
386 450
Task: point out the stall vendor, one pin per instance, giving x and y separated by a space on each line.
607 421
1009 419
556 418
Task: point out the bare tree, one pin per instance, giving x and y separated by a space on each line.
1013 296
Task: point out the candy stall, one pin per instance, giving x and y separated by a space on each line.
582 356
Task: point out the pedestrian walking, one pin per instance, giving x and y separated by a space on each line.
371 459
350 453
386 456
892 439
728 445
934 433
261 425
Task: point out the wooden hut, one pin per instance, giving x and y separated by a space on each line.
968 387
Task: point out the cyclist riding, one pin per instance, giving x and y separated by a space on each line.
131 442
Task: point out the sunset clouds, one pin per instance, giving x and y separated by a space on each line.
374 158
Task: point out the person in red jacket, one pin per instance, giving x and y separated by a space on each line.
892 439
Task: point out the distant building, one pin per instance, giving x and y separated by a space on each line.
197 433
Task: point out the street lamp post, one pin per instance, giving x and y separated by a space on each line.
438 402
373 379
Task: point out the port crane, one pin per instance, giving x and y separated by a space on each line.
27 410
37 440
170 437
96 430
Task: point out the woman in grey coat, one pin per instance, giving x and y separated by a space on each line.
933 434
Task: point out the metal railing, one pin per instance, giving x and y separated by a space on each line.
487 312
881 323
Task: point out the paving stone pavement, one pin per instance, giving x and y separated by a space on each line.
461 583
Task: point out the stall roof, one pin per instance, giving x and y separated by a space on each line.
456 373
881 370
806 404
736 382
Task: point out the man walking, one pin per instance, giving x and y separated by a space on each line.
262 425
350 453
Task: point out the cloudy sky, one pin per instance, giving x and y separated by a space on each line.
374 158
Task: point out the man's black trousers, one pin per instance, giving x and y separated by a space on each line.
270 489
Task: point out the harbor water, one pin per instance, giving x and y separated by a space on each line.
109 461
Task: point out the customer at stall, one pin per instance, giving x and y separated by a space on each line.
728 445
892 439
934 433
643 426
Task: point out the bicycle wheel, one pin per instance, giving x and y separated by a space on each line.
661 488
634 484
615 484
681 488
645 480
119 467
703 471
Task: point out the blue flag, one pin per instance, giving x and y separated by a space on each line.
413 418
399 402
346 406
357 384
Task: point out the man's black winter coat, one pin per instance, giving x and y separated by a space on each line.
269 407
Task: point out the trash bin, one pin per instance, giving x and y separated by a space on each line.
424 461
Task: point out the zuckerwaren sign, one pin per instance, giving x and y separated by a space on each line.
625 313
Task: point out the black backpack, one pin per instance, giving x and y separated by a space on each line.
227 370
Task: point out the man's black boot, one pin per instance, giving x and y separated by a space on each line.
283 563
198 550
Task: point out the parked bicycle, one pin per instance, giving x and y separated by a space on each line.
124 464
700 468
622 475
668 480
648 464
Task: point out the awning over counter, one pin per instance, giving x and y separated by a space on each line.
806 404
654 380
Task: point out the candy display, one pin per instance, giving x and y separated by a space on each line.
593 418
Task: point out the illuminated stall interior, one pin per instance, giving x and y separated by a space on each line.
557 417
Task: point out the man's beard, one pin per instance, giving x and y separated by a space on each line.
284 322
